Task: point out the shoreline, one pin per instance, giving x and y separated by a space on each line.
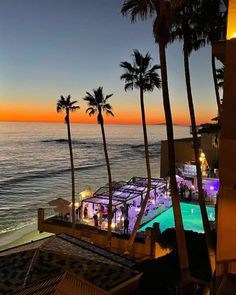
21 236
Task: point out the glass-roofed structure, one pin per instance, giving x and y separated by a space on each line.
127 198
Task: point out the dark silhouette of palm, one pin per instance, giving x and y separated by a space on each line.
211 20
98 103
185 28
164 12
143 76
65 104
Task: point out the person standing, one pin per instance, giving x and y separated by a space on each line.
95 218
126 226
85 212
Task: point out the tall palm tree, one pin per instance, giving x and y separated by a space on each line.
98 103
164 13
143 76
211 19
65 104
193 39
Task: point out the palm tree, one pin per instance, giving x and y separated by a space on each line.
98 103
163 11
211 20
143 76
69 106
193 39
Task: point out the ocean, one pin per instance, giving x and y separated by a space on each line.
35 163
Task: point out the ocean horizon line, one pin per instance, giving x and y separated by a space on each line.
93 123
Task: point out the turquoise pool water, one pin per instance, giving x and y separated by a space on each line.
191 217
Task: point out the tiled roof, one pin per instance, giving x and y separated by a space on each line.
60 254
44 287
13 269
100 251
62 247
24 247
59 284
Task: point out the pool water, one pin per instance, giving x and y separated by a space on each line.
191 218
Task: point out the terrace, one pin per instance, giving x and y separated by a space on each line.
126 202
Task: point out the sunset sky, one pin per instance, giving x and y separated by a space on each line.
59 47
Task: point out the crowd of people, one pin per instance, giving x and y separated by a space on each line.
185 192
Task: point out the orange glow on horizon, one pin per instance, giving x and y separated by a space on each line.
29 113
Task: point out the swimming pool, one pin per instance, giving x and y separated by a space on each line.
191 217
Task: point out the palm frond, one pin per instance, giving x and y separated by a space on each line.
199 44
97 102
154 68
142 74
74 108
128 66
66 104
129 86
108 112
128 77
138 8
59 108
91 111
108 96
68 99
138 58
107 106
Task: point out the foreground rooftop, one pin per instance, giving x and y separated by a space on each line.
47 266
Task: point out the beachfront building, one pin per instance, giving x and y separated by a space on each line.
185 162
64 265
209 151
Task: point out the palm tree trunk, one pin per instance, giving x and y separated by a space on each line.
180 235
196 146
213 66
72 168
109 234
144 203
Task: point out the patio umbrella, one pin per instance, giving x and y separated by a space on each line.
59 202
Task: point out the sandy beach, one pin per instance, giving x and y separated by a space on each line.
21 236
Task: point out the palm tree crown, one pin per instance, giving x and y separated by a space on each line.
98 103
140 74
163 10
186 27
67 105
